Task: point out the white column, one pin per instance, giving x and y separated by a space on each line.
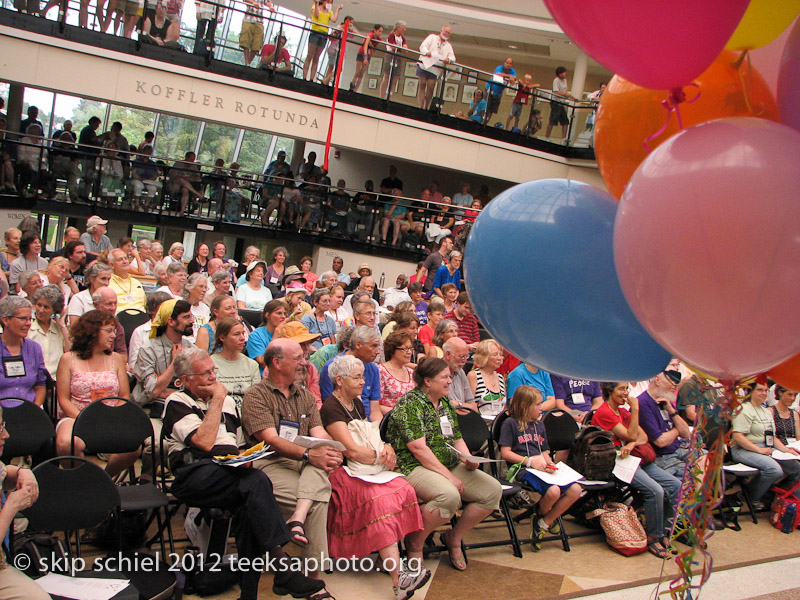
579 76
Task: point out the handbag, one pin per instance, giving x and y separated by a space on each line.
367 434
646 452
785 512
624 532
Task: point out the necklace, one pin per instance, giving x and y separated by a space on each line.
352 407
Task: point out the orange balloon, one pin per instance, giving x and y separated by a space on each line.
787 373
628 114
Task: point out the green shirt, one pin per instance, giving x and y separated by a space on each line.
753 422
414 417
323 355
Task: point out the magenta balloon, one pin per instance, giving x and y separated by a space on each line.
789 80
652 43
707 245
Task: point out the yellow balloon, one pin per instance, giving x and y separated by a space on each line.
763 21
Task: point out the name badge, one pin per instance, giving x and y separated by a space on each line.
129 298
326 340
288 430
446 426
14 366
578 398
273 280
98 394
497 406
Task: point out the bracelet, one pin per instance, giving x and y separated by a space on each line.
377 457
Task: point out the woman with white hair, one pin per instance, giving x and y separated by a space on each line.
367 517
194 290
175 254
220 286
24 373
96 276
57 273
157 252
48 328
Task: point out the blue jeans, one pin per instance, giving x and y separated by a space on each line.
659 491
769 470
673 463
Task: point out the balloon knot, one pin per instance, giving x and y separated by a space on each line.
676 96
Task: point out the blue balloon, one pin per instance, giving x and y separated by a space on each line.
540 273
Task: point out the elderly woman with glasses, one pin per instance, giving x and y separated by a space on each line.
23 373
48 328
367 517
91 371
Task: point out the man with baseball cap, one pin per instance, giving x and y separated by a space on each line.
95 239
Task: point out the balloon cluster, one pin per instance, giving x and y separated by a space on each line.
701 257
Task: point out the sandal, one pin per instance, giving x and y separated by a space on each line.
459 563
321 595
656 548
298 532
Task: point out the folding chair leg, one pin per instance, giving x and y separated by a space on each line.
512 529
564 536
749 502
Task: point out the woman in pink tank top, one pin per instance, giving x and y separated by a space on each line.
91 371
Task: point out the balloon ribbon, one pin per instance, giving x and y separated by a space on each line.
747 86
342 48
670 104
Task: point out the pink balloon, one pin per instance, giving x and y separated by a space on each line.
789 80
707 245
654 44
767 59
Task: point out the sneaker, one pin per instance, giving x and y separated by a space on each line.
555 528
410 581
537 534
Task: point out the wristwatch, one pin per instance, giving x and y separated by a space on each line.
305 455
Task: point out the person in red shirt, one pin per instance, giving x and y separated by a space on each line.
276 56
524 88
365 54
467 323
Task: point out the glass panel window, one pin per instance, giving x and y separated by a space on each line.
143 231
252 154
41 100
218 142
135 122
79 111
175 137
285 144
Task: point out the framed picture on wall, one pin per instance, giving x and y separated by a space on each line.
453 73
410 87
450 92
467 92
373 84
375 66
410 69
472 77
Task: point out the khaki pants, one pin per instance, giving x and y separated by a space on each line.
293 480
435 491
18 586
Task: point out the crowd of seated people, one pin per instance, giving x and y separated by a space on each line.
307 371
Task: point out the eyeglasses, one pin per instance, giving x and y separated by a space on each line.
462 356
2 427
357 377
23 319
203 374
108 330
406 348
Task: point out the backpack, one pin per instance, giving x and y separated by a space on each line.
46 554
593 454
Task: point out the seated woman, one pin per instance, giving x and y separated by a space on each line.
487 385
787 421
48 328
234 370
319 321
22 491
402 307
253 295
97 275
336 312
753 443
435 314
523 440
408 323
367 517
222 307
397 379
23 374
91 371
57 274
442 222
449 296
423 427
274 314
445 330
194 290
658 488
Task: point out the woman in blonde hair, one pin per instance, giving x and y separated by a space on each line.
488 386
57 274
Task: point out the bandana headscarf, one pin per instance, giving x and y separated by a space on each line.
163 315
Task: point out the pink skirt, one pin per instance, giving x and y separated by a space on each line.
365 517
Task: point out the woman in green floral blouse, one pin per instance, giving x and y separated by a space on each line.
423 431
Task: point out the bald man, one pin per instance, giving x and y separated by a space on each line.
105 299
130 293
456 353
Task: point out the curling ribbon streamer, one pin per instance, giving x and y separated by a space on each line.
670 104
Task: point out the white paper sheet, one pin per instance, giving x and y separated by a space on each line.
625 468
307 441
738 468
778 455
82 588
563 476
473 459
244 460
794 444
379 478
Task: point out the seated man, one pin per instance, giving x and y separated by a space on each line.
276 410
338 211
277 173
276 56
184 180
200 422
466 321
130 293
664 427
144 177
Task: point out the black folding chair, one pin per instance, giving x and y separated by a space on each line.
31 432
130 319
118 429
74 494
253 317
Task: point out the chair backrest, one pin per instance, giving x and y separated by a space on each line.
29 428
251 316
384 426
74 497
104 428
473 429
130 319
561 429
